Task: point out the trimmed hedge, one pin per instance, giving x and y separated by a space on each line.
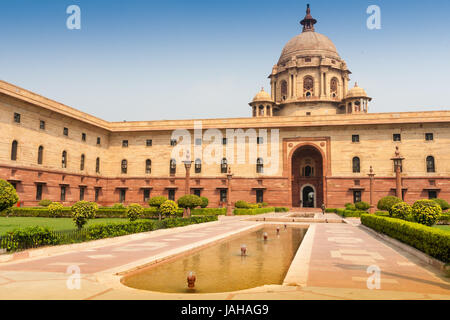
244 212
432 241
281 209
350 213
40 236
331 210
209 211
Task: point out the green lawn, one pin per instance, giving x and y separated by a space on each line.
443 227
11 223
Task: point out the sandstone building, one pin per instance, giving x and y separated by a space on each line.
319 131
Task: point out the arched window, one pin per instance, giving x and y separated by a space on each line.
260 165
284 90
430 164
97 165
334 87
198 165
64 159
308 171
148 166
357 106
308 86
14 150
349 107
261 111
40 154
82 162
268 111
124 166
356 165
224 166
173 166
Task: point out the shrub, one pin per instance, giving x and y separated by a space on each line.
281 209
189 201
55 209
386 203
134 211
82 211
205 202
426 212
8 195
362 206
330 210
157 201
118 206
432 241
168 208
253 211
442 203
401 210
209 211
382 213
241 204
29 237
45 202
350 207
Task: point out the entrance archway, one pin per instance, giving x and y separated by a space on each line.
307 177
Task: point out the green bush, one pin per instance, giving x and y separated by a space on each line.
401 210
262 204
330 210
426 212
254 211
169 208
281 209
119 206
209 211
340 211
189 201
241 204
45 202
444 218
382 213
386 203
8 195
55 209
29 237
362 206
350 207
134 211
205 202
157 201
82 211
432 241
442 203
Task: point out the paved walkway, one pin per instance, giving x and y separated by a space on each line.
332 264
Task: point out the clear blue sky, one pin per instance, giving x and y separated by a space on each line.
152 60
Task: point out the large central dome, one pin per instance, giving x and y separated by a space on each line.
309 43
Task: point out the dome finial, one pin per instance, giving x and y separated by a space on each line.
309 22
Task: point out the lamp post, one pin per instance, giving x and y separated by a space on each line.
371 176
398 159
187 191
229 177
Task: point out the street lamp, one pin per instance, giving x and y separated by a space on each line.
187 191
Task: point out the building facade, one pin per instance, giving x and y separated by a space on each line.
311 141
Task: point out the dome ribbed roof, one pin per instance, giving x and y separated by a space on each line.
356 92
262 96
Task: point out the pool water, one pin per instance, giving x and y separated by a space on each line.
221 268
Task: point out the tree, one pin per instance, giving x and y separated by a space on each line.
82 211
134 211
189 202
156 202
387 202
169 207
8 195
205 202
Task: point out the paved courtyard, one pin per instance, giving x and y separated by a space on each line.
332 263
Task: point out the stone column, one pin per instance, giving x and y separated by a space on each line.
187 191
371 176
229 205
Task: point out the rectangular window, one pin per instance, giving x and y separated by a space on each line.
173 142
146 195
356 196
432 194
124 143
63 193
82 193
429 137
97 194
355 138
259 140
98 140
42 125
397 137
223 195
83 137
66 131
149 143
198 142
171 195
14 184
16 117
224 141
197 192
308 114
122 195
259 196
39 192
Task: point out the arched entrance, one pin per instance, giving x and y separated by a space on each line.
307 177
